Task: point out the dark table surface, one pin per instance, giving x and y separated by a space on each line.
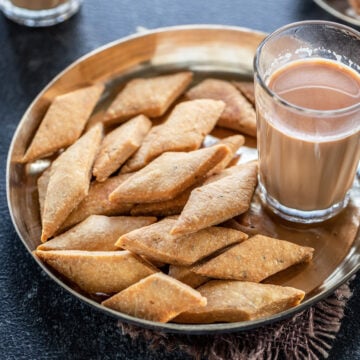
38 319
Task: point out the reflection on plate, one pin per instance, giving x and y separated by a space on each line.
340 9
224 52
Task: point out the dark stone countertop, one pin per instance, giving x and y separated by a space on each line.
38 319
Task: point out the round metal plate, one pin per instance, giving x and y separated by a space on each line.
224 52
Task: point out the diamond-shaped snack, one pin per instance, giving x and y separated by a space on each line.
232 170
168 175
233 142
238 115
247 89
156 242
163 208
184 130
119 145
42 184
150 96
97 202
186 276
96 233
64 122
232 301
255 259
229 196
176 205
98 271
157 298
69 180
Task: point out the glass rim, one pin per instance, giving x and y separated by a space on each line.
279 99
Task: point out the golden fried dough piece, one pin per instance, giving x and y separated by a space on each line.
163 208
156 242
233 143
42 184
151 96
232 301
96 233
119 145
69 180
169 175
228 197
184 130
255 259
157 298
232 170
247 89
238 115
98 271
63 122
175 206
157 264
97 202
186 276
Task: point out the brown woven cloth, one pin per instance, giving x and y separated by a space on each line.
308 335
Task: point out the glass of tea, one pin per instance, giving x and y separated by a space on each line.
307 91
39 12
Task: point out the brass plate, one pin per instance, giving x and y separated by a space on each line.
340 9
225 52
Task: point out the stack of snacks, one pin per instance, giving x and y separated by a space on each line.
137 214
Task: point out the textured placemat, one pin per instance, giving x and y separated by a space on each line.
308 335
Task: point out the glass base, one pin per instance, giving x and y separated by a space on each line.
38 18
300 216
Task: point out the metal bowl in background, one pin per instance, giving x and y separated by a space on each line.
221 51
340 9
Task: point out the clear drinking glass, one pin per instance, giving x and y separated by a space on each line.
308 155
39 12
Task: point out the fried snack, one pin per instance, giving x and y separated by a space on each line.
232 170
98 271
157 298
163 208
63 122
175 206
255 259
157 264
229 196
69 180
96 233
184 130
234 224
155 242
186 276
238 115
119 145
42 184
233 143
97 202
232 301
169 175
151 97
247 89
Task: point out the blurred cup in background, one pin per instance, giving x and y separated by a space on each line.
39 12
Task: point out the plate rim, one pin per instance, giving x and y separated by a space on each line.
194 329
